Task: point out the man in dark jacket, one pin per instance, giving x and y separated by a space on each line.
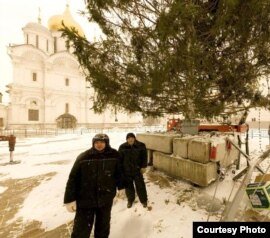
134 157
91 188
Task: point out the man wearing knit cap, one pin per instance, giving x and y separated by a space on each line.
91 188
134 158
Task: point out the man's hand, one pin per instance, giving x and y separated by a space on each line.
71 207
143 170
121 194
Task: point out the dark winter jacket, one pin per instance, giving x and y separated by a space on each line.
134 157
94 178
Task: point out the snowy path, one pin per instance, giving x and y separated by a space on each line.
46 163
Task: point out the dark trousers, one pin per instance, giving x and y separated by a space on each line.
85 218
140 188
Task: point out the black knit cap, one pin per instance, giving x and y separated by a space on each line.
130 134
101 137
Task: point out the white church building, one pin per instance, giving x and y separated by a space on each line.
48 88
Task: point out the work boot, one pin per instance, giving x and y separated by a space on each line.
144 204
129 205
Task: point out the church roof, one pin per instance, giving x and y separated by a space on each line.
55 22
36 27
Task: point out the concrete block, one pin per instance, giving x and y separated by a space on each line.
157 142
231 156
180 146
197 173
162 162
225 153
218 149
199 150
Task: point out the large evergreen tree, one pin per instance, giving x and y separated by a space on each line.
199 58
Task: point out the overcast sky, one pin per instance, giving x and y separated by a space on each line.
15 14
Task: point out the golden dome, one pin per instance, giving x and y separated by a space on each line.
55 22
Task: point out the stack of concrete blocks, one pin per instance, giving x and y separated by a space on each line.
188 157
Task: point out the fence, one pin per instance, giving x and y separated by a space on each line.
78 131
263 133
253 133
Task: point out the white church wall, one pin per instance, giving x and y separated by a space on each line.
17 115
42 44
64 68
24 77
61 44
60 102
55 36
55 81
31 39
81 112
50 46
110 118
94 118
28 79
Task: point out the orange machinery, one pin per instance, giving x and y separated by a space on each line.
223 128
175 124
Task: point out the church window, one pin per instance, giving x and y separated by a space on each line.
55 44
34 77
67 108
67 81
37 41
33 112
47 45
33 115
1 122
27 39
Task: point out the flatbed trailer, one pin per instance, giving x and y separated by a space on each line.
224 128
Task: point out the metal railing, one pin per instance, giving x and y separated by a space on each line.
79 131
257 133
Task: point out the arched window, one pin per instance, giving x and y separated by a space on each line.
67 81
34 76
33 112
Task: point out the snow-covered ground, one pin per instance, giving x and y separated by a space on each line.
173 204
